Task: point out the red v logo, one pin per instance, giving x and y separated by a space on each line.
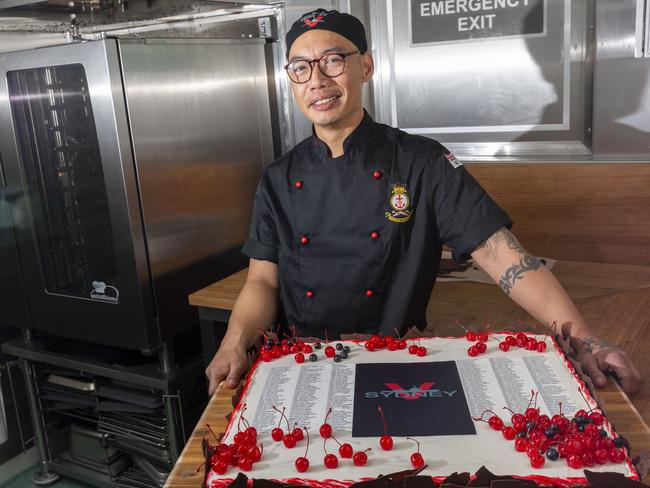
406 395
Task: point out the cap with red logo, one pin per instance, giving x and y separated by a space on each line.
332 20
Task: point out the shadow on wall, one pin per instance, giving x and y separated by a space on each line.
622 79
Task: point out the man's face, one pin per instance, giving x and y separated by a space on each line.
330 102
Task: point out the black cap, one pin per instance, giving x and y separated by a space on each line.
332 20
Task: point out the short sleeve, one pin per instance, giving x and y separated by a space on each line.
262 242
466 214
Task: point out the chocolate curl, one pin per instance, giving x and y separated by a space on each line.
241 481
642 462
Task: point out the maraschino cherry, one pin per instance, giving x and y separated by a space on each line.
277 434
417 460
297 432
330 460
302 463
386 441
330 352
360 458
326 429
345 450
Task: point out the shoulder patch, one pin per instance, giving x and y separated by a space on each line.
452 160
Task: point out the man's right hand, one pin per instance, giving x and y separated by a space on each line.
254 310
230 364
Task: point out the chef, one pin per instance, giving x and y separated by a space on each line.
348 226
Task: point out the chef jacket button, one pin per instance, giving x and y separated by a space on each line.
369 293
374 235
304 240
298 184
309 294
376 175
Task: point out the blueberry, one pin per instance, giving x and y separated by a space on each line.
602 433
552 454
339 346
344 354
317 345
346 349
619 442
530 425
581 427
337 359
313 357
521 434
549 432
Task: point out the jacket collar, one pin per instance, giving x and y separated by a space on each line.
356 137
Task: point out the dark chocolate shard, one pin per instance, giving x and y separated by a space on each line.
484 477
207 467
381 482
241 481
205 447
513 483
611 480
261 483
393 480
461 479
412 333
419 482
642 462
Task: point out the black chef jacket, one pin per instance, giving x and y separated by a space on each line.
358 238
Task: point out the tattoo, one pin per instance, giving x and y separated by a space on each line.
516 271
593 344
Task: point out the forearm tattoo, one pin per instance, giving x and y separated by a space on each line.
516 271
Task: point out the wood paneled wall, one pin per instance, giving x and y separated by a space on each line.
597 212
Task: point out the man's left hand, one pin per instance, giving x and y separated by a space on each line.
598 358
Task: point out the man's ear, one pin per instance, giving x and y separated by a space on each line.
368 65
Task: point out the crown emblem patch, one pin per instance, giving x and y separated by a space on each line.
400 203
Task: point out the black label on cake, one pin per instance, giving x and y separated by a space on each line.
418 399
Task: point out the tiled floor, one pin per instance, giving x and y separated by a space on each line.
24 480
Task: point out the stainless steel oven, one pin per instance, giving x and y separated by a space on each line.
132 167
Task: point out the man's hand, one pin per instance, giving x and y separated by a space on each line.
598 358
230 364
254 311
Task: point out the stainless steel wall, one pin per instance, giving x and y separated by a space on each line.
511 96
201 129
621 84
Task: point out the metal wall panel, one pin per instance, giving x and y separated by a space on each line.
514 96
622 91
201 129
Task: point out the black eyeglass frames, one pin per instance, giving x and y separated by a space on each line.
331 65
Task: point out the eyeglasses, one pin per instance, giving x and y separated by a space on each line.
331 65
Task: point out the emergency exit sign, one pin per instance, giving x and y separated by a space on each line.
456 20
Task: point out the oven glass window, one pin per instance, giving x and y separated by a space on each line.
62 173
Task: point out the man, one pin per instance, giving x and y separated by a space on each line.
348 226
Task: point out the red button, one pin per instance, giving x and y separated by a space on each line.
369 293
374 235
298 184
309 294
376 175
304 240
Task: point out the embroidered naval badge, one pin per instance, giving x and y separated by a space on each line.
313 20
399 202
452 160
